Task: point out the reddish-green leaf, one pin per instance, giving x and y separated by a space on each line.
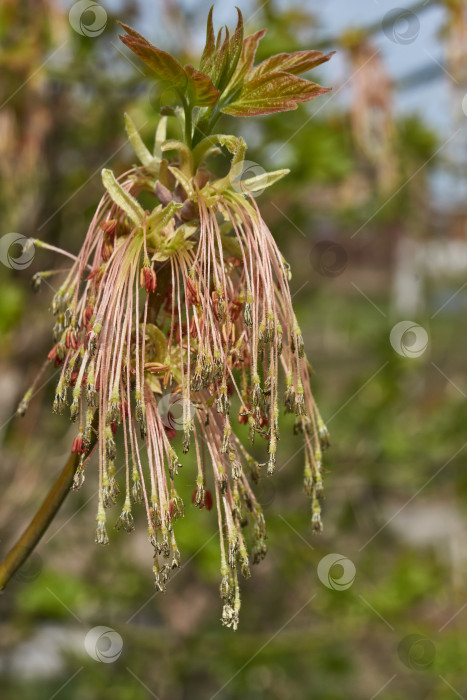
235 49
295 63
132 32
201 91
210 45
220 57
246 61
275 92
220 60
219 37
162 63
250 46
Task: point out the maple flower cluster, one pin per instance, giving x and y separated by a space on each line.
189 303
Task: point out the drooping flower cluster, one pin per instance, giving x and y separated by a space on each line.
185 306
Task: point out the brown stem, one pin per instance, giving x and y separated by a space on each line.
57 494
39 524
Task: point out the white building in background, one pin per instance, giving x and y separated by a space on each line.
419 262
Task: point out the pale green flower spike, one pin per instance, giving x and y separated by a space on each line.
182 179
136 141
261 182
122 199
161 135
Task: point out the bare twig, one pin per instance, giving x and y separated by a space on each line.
39 524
